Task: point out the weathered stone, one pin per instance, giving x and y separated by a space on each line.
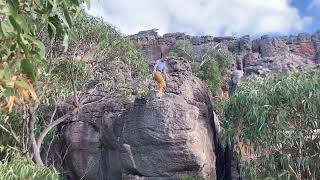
272 47
245 44
304 37
234 79
306 50
286 63
317 50
159 137
171 135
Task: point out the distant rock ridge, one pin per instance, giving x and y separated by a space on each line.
303 44
263 56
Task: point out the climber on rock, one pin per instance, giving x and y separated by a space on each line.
159 72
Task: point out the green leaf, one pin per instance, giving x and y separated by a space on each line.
14 24
7 29
42 49
39 44
75 2
73 36
66 15
23 44
7 71
13 6
20 20
28 69
55 20
39 11
54 8
2 71
22 84
66 42
51 30
8 92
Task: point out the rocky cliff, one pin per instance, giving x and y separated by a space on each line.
159 136
262 56
304 45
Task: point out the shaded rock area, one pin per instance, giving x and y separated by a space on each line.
158 137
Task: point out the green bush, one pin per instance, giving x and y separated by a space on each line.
279 117
184 49
109 52
18 167
109 44
209 65
210 73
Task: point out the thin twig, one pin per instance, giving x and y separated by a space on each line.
73 80
11 133
54 112
48 151
65 154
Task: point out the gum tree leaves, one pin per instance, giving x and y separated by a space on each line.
21 50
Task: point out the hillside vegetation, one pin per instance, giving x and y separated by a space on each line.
53 53
277 119
210 65
43 63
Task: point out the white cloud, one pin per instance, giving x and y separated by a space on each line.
214 17
314 4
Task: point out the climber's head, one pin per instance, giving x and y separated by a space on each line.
165 58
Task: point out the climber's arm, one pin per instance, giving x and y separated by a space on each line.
164 72
155 66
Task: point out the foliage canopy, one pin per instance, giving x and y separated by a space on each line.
21 50
210 63
279 118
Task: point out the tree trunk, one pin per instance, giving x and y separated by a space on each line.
35 147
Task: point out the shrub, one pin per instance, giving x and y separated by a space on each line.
18 167
108 44
278 117
210 65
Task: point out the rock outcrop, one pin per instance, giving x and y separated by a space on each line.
263 56
160 136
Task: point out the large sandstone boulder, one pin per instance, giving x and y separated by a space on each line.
159 136
169 135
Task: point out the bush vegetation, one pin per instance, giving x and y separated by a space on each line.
210 64
97 52
15 166
278 118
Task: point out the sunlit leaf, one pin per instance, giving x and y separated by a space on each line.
66 15
51 30
20 20
66 42
7 28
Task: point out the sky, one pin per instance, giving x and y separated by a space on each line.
211 17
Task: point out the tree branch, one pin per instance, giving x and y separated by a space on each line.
11 133
50 126
35 147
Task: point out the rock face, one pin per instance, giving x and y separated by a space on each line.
156 137
271 54
267 55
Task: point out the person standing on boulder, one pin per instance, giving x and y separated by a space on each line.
159 72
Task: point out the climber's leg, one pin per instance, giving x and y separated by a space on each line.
158 77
